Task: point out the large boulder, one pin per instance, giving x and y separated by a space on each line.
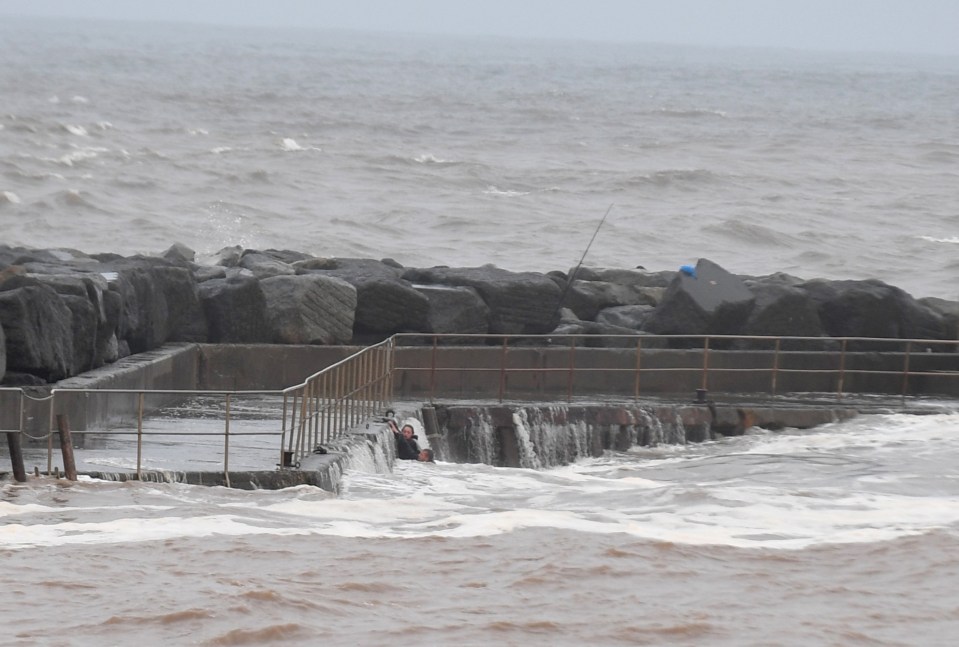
264 265
588 298
95 317
37 327
872 308
235 310
629 317
782 310
949 311
635 278
160 302
385 303
455 310
710 302
519 303
309 309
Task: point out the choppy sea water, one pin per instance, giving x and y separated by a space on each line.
842 535
125 138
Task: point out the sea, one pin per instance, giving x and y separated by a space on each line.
534 156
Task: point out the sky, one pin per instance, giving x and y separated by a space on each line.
920 26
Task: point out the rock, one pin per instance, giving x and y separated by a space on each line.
455 310
37 327
629 317
949 310
519 303
587 298
3 355
385 303
179 253
203 273
872 308
235 310
632 278
264 266
782 310
714 302
160 303
309 309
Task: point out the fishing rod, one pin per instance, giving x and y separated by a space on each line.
572 276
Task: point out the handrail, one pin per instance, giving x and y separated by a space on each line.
649 346
334 400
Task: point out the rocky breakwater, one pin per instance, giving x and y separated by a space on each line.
64 312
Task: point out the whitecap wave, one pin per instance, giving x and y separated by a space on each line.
79 99
492 190
289 144
220 149
75 129
9 197
429 158
954 240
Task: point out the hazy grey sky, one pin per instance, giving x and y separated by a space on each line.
927 26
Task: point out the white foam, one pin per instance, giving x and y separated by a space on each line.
429 158
79 99
198 131
954 240
75 129
220 149
9 197
492 190
76 156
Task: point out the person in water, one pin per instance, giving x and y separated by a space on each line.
406 446
425 456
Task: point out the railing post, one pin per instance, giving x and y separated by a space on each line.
705 380
139 435
433 370
502 371
775 364
842 369
66 448
639 353
226 443
569 373
16 457
905 371
283 429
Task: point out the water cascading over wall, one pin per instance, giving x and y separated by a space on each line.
542 436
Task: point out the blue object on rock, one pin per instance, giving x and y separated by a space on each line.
688 270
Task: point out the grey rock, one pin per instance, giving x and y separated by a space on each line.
713 302
264 266
179 253
519 303
587 298
629 317
310 309
37 327
872 308
455 310
632 278
235 310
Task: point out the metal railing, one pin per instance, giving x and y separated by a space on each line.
777 357
344 395
335 399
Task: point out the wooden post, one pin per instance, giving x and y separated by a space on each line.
16 456
66 448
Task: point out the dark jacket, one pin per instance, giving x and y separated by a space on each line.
407 450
